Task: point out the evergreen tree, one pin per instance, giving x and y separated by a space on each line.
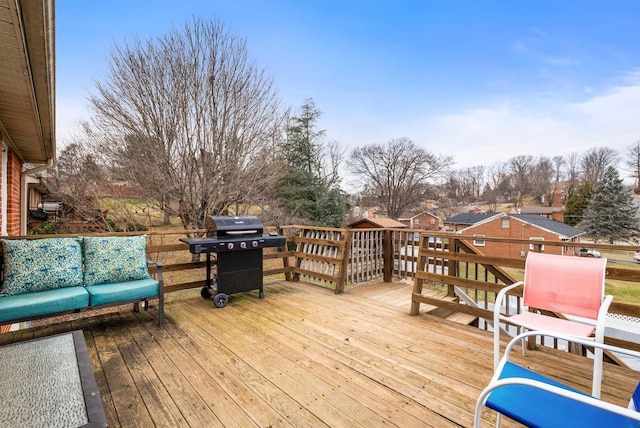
612 213
305 190
577 203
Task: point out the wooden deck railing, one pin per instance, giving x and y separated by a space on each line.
474 279
338 258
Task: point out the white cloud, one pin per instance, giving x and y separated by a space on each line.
518 46
483 136
561 61
537 33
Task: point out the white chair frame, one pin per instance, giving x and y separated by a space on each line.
588 401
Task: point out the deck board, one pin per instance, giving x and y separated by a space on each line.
301 357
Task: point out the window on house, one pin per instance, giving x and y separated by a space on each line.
417 221
505 223
478 242
433 221
533 247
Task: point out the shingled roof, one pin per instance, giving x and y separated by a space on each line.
469 218
377 222
561 229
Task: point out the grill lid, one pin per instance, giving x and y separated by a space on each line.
233 226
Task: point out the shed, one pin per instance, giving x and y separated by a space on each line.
376 223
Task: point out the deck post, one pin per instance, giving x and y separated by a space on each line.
288 275
346 253
452 266
387 255
417 281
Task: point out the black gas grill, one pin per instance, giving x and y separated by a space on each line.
238 244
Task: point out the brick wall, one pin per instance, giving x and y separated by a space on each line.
424 222
14 170
1 172
515 230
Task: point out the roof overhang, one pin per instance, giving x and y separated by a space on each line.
27 83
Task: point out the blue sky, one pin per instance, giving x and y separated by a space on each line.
482 81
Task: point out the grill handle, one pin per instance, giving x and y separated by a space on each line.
241 232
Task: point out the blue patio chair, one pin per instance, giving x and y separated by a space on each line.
538 401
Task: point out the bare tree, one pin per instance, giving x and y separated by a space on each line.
76 177
398 173
573 170
453 187
497 180
465 184
521 167
633 161
542 177
555 188
190 119
596 161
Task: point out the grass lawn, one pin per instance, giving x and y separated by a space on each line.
622 291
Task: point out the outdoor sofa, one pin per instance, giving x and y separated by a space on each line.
53 276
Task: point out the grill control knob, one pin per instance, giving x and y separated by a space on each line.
230 245
243 245
254 244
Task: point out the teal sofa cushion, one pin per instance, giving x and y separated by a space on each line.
25 306
41 264
104 294
114 259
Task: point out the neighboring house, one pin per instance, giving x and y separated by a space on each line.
430 205
556 213
27 104
375 212
424 220
558 193
462 220
368 212
376 223
520 226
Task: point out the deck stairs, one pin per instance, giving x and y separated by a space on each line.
459 317
399 292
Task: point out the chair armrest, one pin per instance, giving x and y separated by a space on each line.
602 317
502 294
152 262
158 266
496 320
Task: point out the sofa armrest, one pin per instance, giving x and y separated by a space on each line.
158 266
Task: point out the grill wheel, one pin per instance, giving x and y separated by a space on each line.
220 300
206 292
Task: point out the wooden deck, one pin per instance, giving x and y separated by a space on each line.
301 357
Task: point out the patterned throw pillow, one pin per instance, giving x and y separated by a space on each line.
114 259
41 264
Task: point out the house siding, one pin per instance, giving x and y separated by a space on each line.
14 171
516 230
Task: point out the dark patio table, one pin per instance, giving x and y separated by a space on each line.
49 382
